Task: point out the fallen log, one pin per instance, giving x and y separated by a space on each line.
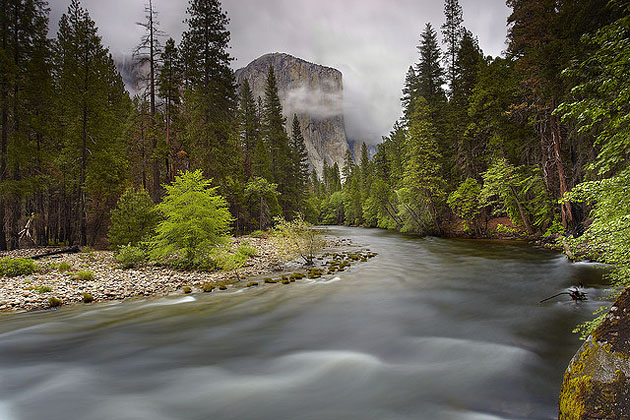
70 250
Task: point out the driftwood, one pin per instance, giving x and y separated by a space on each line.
70 250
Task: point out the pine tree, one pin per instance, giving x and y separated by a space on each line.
249 126
94 107
452 32
410 91
169 83
429 71
300 157
277 139
210 100
147 53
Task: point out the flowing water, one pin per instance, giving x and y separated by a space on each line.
429 329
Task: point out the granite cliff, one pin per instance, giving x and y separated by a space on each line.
314 93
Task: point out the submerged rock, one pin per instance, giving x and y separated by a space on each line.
597 382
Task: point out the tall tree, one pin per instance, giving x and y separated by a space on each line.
210 101
169 83
452 32
147 53
429 70
299 155
249 126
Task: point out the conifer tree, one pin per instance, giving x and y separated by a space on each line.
249 126
429 71
169 83
210 100
452 32
300 157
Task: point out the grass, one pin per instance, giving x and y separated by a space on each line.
65 266
12 267
54 302
42 289
84 275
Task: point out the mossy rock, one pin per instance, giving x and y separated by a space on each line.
296 276
187 289
223 287
54 302
208 287
252 284
596 384
87 298
292 280
269 280
286 281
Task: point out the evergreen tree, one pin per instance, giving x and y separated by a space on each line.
94 107
249 127
277 139
210 101
169 83
410 91
299 155
147 54
452 32
429 71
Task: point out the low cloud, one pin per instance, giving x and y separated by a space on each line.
320 103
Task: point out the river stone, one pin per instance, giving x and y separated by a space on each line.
596 384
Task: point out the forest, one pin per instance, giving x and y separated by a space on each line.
538 135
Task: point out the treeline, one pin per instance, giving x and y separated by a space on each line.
72 139
506 136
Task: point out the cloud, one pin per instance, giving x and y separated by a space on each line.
321 103
372 42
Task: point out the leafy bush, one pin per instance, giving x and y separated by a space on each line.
128 256
297 238
258 234
12 267
555 228
196 220
84 275
464 201
133 220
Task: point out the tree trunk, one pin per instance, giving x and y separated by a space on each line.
567 214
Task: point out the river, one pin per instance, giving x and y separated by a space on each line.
429 329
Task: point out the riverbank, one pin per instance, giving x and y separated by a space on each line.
60 277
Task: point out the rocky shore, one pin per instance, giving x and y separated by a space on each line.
110 282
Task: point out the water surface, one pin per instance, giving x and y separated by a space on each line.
429 329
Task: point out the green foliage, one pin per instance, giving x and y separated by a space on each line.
556 228
133 220
54 302
129 256
297 238
42 289
261 198
65 266
195 220
520 192
84 275
12 267
464 201
87 298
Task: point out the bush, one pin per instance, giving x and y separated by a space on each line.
258 234
87 298
133 220
12 267
297 238
196 220
84 275
128 256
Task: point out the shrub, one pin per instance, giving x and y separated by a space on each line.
246 249
297 238
133 220
196 220
64 266
87 298
12 267
84 275
464 201
258 234
54 302
128 256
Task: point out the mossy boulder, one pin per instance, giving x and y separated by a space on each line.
187 289
596 384
207 287
252 284
223 287
269 280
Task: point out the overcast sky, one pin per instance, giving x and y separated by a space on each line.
372 42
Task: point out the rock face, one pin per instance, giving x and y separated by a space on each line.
314 93
597 382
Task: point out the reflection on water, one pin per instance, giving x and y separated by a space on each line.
429 329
